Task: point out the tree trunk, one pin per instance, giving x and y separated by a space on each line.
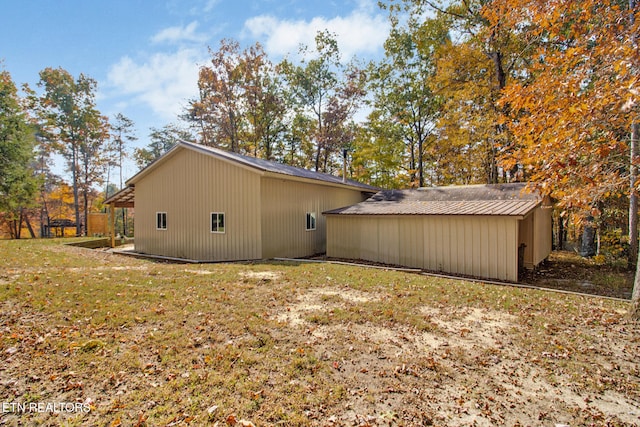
76 196
12 229
634 308
561 233
29 227
317 161
633 198
588 244
420 163
501 76
86 210
44 216
232 126
19 226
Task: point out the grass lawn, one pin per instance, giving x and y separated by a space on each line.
146 343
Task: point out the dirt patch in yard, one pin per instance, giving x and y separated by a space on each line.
465 370
265 276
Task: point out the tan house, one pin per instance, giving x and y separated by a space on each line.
488 231
201 203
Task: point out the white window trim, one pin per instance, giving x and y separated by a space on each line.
315 221
211 223
165 221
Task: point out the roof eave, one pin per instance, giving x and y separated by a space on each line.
332 213
275 175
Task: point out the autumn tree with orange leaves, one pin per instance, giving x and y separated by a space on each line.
240 107
573 114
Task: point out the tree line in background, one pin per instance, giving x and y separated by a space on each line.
468 91
61 118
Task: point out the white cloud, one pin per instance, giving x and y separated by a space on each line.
174 35
211 4
164 81
361 32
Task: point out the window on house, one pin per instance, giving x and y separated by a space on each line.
311 221
161 220
217 222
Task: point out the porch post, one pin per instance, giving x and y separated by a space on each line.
112 225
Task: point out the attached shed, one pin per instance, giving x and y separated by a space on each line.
489 231
201 203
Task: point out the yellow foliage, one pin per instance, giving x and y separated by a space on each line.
60 203
571 120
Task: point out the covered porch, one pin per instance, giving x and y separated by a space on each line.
124 198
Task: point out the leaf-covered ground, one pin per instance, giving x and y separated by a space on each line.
145 343
570 272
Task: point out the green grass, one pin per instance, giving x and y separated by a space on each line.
154 343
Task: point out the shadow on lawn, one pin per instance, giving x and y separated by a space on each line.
570 272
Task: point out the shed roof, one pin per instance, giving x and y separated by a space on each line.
490 199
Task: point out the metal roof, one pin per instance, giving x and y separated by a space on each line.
126 196
274 167
490 199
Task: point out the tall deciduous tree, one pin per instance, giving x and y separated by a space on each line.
75 128
93 159
240 107
263 104
468 126
573 117
326 92
298 144
402 95
379 154
18 184
122 134
217 111
474 64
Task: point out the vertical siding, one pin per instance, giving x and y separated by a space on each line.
189 186
284 207
542 234
369 237
535 233
477 246
412 251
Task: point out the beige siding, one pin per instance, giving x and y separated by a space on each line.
188 186
535 233
470 245
284 206
542 234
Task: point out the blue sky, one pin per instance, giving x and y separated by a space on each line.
145 54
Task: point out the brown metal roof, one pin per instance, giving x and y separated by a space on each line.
279 168
259 165
122 199
497 199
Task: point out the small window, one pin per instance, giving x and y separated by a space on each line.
217 222
161 220
311 221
